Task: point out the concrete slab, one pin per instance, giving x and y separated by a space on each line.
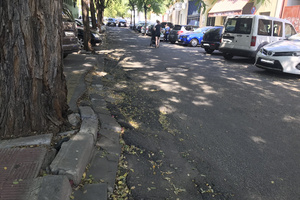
108 122
104 168
44 139
92 192
73 157
50 187
90 123
111 135
109 145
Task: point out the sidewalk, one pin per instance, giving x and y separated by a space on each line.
86 164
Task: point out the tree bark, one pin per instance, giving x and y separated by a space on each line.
86 25
100 11
33 92
92 7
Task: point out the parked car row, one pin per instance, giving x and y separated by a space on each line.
116 22
73 33
272 42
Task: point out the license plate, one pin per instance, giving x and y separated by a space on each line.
69 34
205 44
267 61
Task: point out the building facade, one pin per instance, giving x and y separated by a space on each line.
291 11
216 12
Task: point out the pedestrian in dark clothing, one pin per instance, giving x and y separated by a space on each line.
153 42
157 33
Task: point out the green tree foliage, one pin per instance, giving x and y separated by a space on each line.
117 8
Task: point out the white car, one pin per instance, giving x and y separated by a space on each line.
283 55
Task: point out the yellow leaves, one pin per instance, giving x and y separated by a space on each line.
134 124
83 175
17 181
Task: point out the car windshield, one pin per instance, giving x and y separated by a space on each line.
295 37
201 30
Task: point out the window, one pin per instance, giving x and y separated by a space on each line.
264 27
210 21
289 30
239 25
277 30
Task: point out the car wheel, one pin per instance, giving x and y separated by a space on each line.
80 43
172 42
227 56
65 55
209 51
194 42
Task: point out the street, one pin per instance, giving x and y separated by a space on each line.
201 127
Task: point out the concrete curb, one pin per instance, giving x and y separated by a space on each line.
75 154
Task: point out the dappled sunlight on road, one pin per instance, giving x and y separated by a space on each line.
202 101
258 140
291 119
241 121
288 86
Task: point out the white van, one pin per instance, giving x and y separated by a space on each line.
244 35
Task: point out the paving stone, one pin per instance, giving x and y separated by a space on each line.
111 135
92 192
108 122
74 119
109 145
104 169
50 187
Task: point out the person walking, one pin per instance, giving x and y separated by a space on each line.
157 33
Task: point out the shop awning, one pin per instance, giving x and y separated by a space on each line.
227 7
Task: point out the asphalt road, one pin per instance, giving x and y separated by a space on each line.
238 126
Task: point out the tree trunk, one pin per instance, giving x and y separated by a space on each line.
133 17
100 11
92 7
33 93
145 10
86 26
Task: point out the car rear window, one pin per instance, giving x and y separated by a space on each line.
177 27
238 25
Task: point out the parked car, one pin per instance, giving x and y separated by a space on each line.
283 55
149 29
179 29
244 35
70 40
212 39
193 38
146 28
122 22
139 26
79 23
111 22
95 37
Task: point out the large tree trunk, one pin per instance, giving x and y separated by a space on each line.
86 25
33 93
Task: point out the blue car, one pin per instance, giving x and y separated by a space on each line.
193 38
